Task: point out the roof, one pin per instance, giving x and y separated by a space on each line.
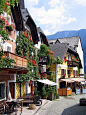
43 36
52 41
60 49
72 41
30 22
40 31
21 3
17 16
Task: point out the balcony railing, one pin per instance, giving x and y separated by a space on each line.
43 60
21 62
72 63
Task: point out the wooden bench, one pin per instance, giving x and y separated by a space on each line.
31 100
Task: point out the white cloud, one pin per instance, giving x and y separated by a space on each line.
53 3
54 16
34 1
70 20
81 2
46 32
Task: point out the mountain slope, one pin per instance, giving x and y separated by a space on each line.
81 33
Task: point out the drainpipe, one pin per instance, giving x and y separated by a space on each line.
57 76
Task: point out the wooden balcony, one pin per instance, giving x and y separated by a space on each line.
43 60
72 63
19 68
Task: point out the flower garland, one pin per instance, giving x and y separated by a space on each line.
3 19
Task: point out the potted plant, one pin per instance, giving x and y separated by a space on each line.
63 76
43 92
69 75
82 101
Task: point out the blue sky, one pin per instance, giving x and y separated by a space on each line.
58 15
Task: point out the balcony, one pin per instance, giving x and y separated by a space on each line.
19 68
43 60
72 63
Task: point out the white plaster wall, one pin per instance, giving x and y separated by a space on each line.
80 52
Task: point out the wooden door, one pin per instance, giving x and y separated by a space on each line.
11 89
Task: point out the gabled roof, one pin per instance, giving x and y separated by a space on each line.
39 30
30 22
43 36
59 50
72 41
17 16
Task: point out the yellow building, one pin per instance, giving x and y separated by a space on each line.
66 74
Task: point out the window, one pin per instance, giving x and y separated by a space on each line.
2 90
73 72
68 72
63 71
8 48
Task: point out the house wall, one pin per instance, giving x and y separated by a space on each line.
58 67
80 52
6 78
8 43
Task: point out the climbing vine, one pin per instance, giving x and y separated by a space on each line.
5 5
25 48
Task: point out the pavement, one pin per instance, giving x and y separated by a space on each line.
66 104
27 111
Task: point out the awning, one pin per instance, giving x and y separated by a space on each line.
70 80
67 80
48 82
78 79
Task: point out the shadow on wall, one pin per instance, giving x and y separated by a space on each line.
75 110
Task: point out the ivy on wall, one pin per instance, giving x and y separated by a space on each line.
5 6
25 48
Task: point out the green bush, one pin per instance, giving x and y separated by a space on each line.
57 96
43 92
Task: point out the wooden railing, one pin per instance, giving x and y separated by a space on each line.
72 63
21 62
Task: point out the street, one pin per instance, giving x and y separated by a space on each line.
64 106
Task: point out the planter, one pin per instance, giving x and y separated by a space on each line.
51 96
32 106
83 102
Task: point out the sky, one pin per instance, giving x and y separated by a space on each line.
57 15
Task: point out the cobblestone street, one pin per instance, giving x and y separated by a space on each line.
64 106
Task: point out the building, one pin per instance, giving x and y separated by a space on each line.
8 74
75 42
66 74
